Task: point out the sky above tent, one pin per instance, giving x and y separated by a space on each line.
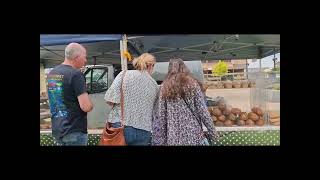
266 62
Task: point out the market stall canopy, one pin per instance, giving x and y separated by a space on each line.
50 40
106 48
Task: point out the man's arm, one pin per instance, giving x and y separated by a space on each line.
79 85
85 102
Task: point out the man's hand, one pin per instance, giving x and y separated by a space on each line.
85 102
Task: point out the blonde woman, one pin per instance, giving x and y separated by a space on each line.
140 91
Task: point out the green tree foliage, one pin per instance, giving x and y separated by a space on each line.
220 69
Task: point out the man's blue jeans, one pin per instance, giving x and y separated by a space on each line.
74 139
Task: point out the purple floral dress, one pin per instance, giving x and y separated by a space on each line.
180 121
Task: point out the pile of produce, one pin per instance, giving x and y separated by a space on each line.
228 84
236 84
256 116
274 118
244 84
225 115
45 126
219 85
252 84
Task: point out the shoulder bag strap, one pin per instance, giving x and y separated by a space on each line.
122 99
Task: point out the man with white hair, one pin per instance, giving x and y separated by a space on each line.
68 98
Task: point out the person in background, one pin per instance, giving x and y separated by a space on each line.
140 91
68 98
181 111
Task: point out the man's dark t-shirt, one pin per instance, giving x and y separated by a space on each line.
65 84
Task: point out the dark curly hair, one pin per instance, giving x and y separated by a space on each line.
177 80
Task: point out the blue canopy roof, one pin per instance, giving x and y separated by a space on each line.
50 40
105 49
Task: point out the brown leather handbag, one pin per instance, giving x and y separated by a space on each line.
115 136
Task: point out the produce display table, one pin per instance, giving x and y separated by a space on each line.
229 136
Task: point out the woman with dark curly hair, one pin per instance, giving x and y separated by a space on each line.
181 111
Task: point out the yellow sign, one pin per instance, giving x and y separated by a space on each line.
128 55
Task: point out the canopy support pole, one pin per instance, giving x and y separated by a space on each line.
123 48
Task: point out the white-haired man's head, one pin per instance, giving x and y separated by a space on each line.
76 54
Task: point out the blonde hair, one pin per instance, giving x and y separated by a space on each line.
141 62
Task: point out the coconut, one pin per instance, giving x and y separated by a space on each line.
241 123
236 84
228 123
274 120
243 116
219 123
249 122
253 116
260 122
210 109
259 111
274 115
222 105
216 112
276 123
232 117
221 118
236 111
226 112
254 109
214 118
228 84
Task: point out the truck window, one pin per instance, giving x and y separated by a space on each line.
96 80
